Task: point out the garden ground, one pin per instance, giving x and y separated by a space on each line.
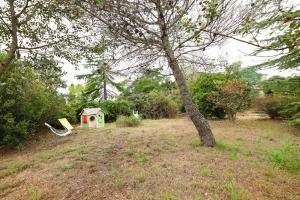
161 159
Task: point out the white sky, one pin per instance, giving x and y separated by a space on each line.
232 51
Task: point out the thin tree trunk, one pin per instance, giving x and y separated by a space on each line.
104 87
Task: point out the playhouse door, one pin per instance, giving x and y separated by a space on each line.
93 122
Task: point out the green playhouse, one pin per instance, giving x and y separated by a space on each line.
92 118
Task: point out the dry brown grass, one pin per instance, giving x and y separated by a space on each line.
159 160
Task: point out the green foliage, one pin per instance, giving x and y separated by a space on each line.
127 121
233 189
195 143
159 106
232 97
150 96
34 193
169 196
26 104
151 80
278 21
287 157
231 147
145 85
274 106
140 156
200 91
99 81
283 99
112 109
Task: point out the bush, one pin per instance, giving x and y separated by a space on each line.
127 121
232 96
286 157
112 109
159 106
284 98
154 105
26 104
274 106
200 91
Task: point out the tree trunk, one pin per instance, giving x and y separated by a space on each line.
197 118
104 87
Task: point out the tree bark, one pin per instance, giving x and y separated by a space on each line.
104 87
197 118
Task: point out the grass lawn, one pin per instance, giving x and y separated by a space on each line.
161 159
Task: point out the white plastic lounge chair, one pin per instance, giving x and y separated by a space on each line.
66 124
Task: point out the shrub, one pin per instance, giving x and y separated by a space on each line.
26 104
284 98
286 157
127 121
232 97
160 106
200 91
273 106
112 109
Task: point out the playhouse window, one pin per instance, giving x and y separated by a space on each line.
92 118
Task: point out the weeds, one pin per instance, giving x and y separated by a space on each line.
82 152
110 149
141 157
7 185
232 148
205 171
169 196
34 194
14 168
117 179
236 192
195 143
233 189
269 172
67 167
127 121
286 157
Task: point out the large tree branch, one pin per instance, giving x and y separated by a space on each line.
247 42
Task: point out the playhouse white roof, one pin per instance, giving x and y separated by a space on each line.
91 111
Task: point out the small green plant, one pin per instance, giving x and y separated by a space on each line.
17 167
110 149
232 148
7 185
67 167
82 152
141 157
269 172
195 143
233 189
34 194
127 121
286 157
169 196
117 179
236 192
205 171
